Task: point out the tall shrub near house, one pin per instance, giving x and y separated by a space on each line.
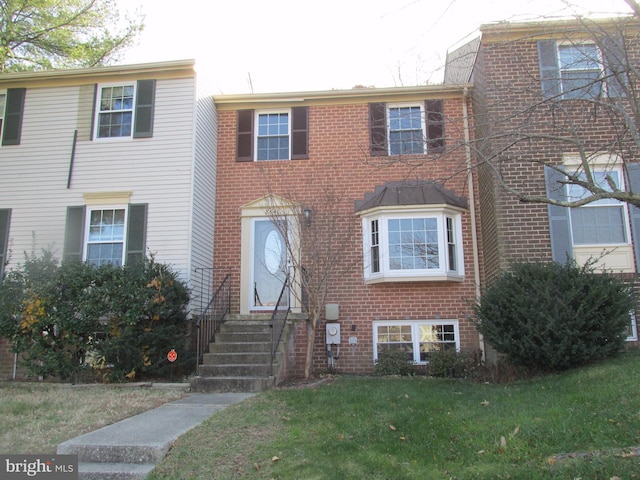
66 318
43 310
553 316
147 317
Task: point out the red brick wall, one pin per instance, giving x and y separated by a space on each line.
508 100
338 164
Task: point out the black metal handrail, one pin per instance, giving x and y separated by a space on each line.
210 320
279 319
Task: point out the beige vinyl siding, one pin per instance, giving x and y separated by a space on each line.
157 171
203 202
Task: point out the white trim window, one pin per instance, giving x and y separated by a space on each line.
417 245
603 222
272 135
105 235
406 129
114 110
580 70
417 338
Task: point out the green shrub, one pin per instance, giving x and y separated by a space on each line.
552 316
123 321
453 364
393 362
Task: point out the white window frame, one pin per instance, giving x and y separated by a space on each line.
415 334
87 242
99 111
257 135
385 273
633 330
574 94
423 127
603 204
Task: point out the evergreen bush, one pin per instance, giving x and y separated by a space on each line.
393 362
553 316
120 321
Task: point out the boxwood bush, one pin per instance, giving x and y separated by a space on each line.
552 316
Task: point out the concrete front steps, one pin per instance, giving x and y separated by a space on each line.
240 358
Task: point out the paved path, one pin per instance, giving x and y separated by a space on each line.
130 448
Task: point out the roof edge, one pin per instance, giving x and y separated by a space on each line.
351 94
110 70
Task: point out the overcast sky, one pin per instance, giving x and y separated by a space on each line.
242 46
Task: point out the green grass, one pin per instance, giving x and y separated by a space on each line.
424 428
36 417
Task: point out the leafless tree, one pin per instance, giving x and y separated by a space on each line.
318 226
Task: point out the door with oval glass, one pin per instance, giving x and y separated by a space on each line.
270 265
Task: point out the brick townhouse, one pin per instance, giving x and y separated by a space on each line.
545 93
396 213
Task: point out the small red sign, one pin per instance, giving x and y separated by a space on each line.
172 356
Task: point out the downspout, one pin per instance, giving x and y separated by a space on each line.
472 202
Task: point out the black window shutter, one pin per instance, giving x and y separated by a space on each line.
549 69
300 133
5 221
74 234
559 229
136 233
13 116
435 125
93 112
633 173
615 65
245 136
378 129
145 98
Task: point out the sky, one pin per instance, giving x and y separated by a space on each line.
260 46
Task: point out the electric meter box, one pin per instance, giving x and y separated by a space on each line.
333 334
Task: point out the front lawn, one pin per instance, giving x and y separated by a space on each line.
580 424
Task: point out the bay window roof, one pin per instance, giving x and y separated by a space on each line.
406 193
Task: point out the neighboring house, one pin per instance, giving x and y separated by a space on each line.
366 167
535 83
108 164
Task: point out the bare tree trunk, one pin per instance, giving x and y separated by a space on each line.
311 332
314 317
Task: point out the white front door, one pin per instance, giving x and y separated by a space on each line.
269 265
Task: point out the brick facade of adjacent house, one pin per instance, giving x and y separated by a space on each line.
339 166
508 98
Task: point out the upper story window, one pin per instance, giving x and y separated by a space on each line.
115 111
272 140
273 135
406 126
580 70
406 129
125 110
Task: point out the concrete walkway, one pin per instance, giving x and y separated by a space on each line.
130 448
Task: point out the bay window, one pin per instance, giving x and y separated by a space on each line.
418 245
